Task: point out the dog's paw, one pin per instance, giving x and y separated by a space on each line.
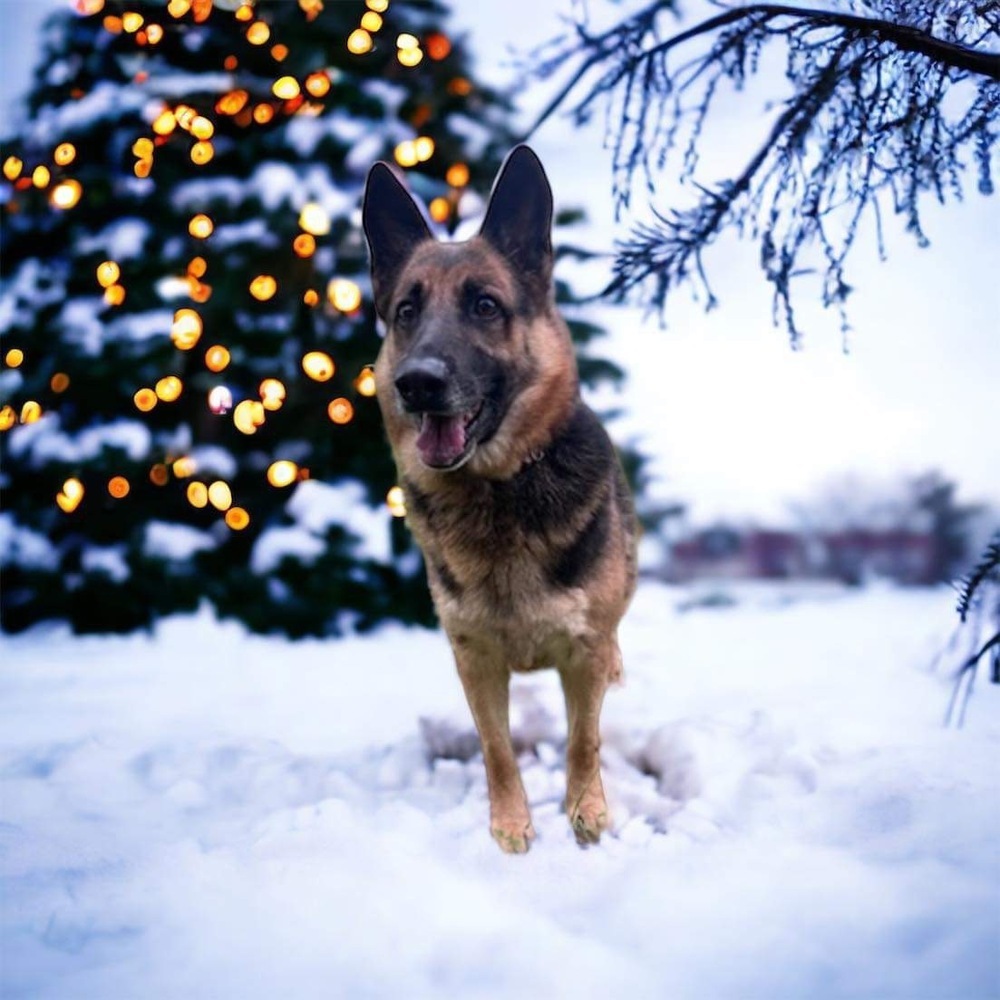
513 838
589 819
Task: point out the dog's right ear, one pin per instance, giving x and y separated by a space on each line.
394 226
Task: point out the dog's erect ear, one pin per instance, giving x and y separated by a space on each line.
519 217
394 227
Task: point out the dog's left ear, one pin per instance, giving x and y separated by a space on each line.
394 227
519 216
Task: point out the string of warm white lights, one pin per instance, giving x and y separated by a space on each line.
175 122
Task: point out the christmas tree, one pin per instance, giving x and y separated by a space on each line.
187 323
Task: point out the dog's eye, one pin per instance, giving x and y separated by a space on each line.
486 307
406 312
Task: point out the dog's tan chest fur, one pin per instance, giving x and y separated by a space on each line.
506 605
491 576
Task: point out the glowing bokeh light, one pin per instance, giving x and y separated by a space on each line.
410 57
282 473
70 496
65 154
165 122
145 400
304 245
232 103
14 358
197 494
184 467
237 518
220 496
318 84
457 175
169 388
365 382
12 168
263 287
217 358
396 501
440 209
344 295
406 153
359 42
30 412
201 226
201 153
285 88
220 399
202 128
314 219
108 272
248 416
438 46
73 488
66 194
258 33
186 329
423 147
199 291
318 366
340 411
272 394
118 487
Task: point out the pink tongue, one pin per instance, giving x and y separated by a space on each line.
442 439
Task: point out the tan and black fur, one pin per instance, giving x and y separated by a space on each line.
513 488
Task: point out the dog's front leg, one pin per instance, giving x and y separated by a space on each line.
585 678
486 680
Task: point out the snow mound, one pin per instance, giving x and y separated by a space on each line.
206 813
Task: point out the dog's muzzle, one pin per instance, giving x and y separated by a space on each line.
427 391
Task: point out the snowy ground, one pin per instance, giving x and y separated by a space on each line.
206 814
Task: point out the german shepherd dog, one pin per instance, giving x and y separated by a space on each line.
513 489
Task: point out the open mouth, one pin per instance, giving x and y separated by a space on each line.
445 441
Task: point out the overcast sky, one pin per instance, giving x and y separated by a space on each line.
737 423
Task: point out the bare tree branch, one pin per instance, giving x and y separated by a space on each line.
892 101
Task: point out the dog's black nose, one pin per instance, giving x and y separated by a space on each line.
423 384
